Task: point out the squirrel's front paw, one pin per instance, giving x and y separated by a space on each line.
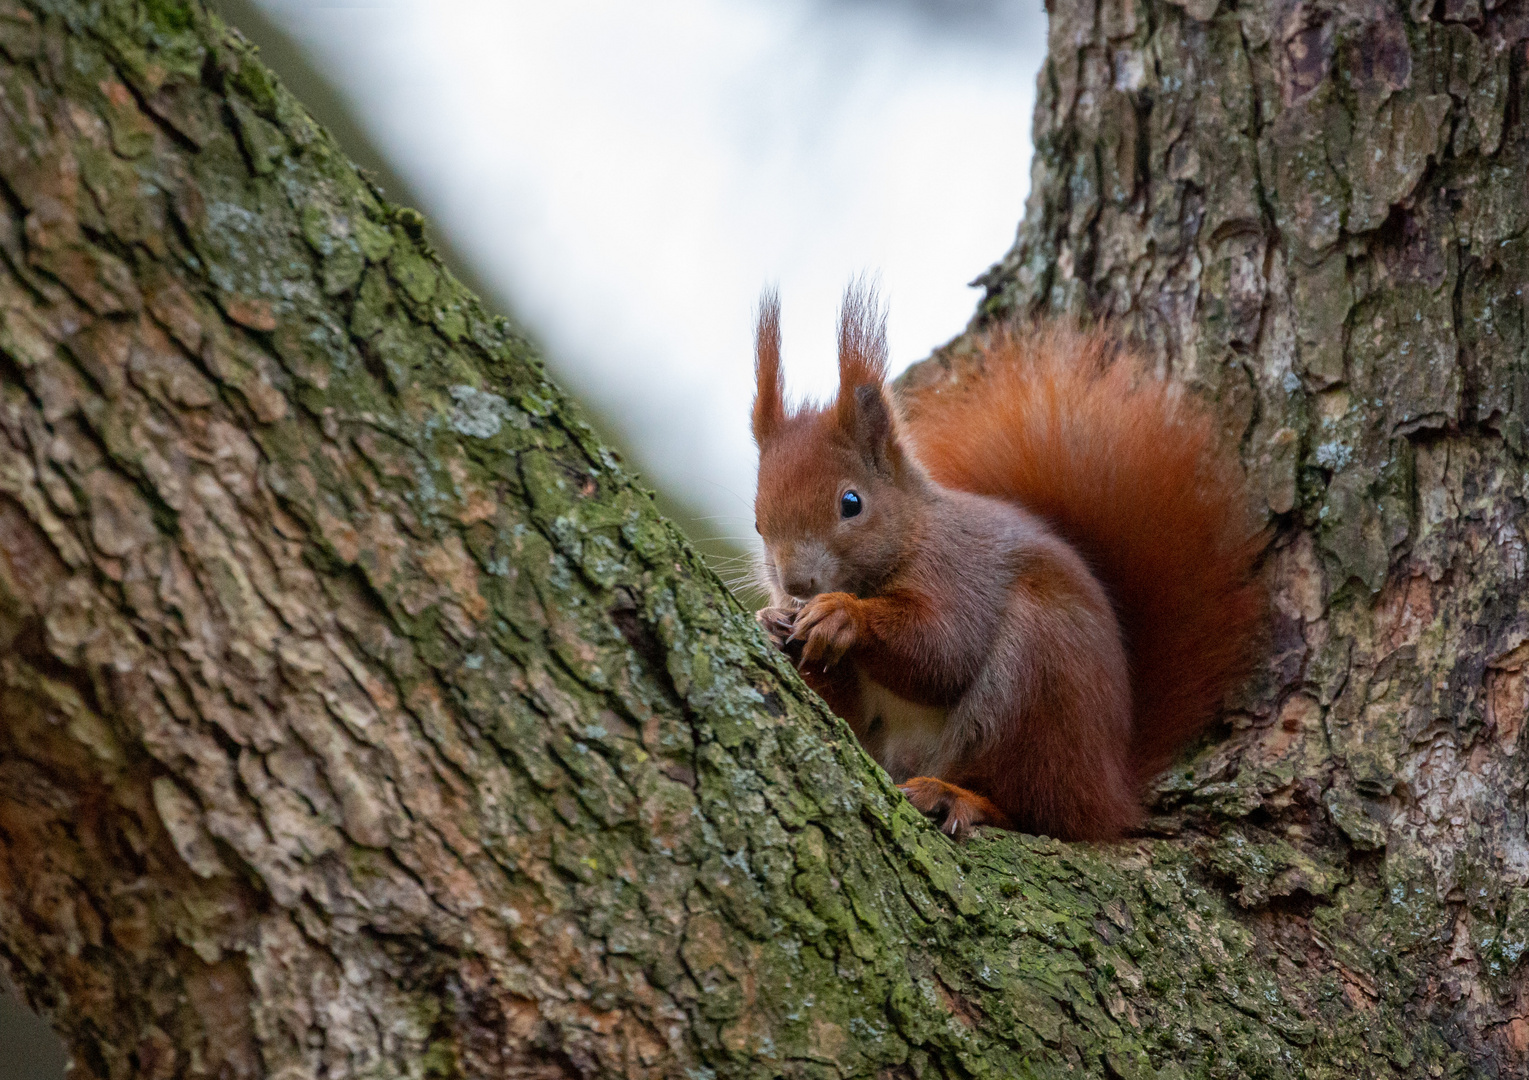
827 626
777 623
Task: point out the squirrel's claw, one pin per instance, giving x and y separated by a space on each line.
777 623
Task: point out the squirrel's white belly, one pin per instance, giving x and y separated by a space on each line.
905 738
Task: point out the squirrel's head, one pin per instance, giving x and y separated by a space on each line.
838 493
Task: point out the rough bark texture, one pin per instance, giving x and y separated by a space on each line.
362 718
1317 211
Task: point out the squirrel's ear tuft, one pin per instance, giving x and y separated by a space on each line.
769 380
862 341
862 409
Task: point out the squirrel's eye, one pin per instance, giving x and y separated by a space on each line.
849 504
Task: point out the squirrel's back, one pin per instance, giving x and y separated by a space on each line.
1131 471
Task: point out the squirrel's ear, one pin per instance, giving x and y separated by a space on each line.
769 380
875 429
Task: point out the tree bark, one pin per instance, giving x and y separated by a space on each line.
361 716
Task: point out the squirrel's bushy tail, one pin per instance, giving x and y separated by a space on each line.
1130 469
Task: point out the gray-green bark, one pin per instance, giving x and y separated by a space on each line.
361 717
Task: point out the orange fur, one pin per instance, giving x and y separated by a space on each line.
1043 584
769 402
1129 469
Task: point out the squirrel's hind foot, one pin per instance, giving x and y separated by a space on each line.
956 810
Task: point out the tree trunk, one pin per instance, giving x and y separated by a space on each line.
363 718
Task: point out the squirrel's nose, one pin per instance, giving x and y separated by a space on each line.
802 587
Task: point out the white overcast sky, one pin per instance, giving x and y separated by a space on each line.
630 175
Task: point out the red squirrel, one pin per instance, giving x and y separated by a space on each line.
1027 590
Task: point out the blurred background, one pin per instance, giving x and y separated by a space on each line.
624 178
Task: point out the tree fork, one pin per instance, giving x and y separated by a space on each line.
362 717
